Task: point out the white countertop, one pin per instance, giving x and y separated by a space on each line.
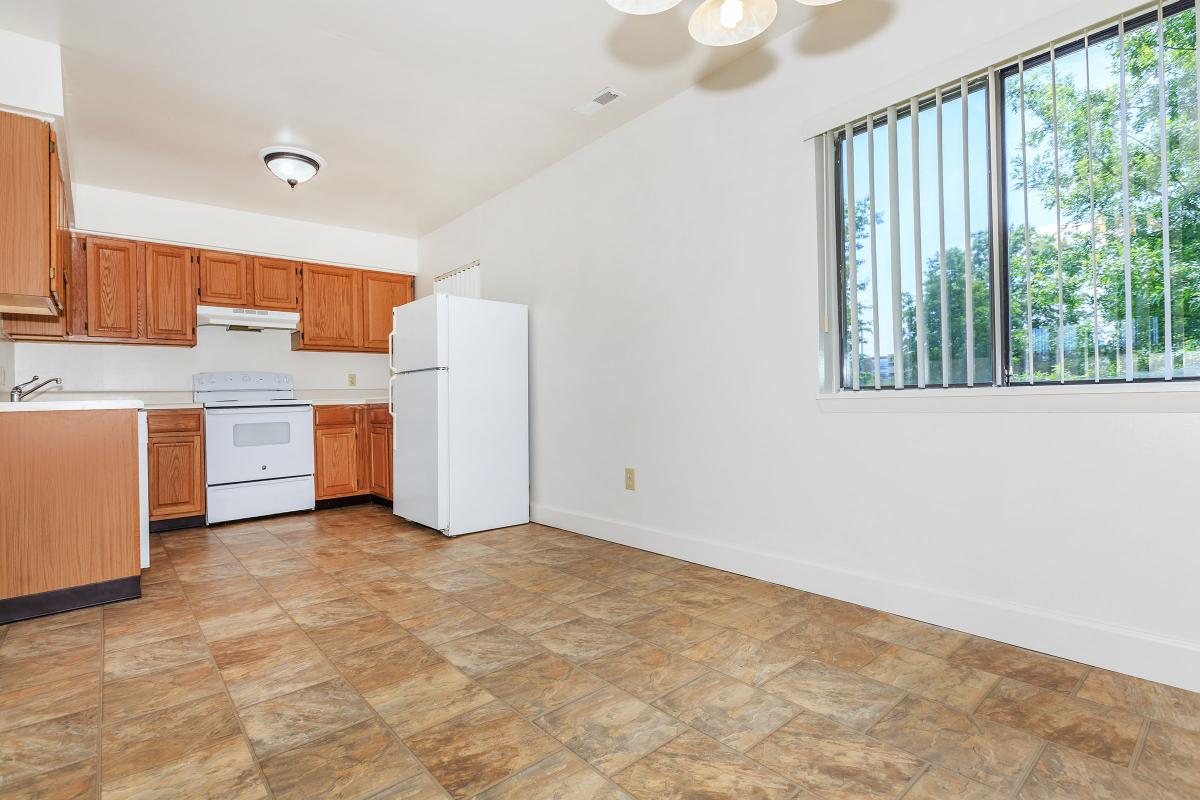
170 401
72 405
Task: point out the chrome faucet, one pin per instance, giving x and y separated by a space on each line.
18 392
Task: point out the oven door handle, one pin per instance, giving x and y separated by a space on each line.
222 412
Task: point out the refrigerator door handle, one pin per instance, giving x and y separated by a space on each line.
392 395
391 356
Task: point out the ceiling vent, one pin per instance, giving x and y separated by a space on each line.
605 98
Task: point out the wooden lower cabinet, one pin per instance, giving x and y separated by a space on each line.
176 464
353 451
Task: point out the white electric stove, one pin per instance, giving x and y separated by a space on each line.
258 445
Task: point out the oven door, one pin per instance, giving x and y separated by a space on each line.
257 444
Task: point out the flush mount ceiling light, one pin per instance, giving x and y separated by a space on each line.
291 165
719 23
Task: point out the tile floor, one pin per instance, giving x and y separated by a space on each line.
347 654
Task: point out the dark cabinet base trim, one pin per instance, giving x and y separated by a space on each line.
76 597
159 526
353 500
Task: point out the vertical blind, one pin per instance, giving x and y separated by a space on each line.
914 200
462 282
1043 216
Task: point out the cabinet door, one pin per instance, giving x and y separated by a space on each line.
381 460
336 451
382 292
59 225
170 293
329 307
176 476
224 279
25 217
276 284
112 288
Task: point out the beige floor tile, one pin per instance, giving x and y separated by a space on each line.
355 762
488 651
387 663
225 770
645 671
359 634
72 782
688 599
566 589
288 562
461 580
737 715
451 622
702 577
332 612
1171 758
1038 669
480 748
427 698
1064 774
259 666
128 625
199 589
635 581
25 642
670 629
831 645
829 611
933 678
940 784
223 616
284 722
743 657
493 598
561 776
401 603
540 684
836 762
913 634
67 619
752 619
303 589
47 745
30 704
1168 704
613 607
759 592
582 639
974 747
694 766
418 787
151 691
532 614
1097 730
592 568
140 743
844 697
611 729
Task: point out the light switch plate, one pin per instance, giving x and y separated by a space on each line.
630 479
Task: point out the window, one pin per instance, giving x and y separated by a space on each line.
1060 200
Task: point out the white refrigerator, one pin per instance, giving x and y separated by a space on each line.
459 396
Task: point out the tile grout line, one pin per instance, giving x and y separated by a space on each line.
100 707
1143 735
228 696
1027 772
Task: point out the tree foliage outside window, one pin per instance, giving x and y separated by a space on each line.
1075 311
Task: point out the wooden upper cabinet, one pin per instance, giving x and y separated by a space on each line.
330 308
170 293
26 216
276 284
382 292
225 279
112 288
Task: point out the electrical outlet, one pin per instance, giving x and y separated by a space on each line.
630 479
352 379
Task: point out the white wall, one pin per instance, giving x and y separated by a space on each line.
143 369
30 75
671 272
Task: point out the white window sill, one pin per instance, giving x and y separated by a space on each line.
1129 398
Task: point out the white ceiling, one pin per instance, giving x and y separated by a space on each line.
422 109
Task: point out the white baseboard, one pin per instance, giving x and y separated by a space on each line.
1143 654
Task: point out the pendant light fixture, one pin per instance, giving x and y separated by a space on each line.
719 23
291 165
643 7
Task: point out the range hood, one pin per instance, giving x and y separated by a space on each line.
247 319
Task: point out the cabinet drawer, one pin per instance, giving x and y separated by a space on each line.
379 415
186 420
334 415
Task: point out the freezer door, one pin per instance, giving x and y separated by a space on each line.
419 334
420 473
